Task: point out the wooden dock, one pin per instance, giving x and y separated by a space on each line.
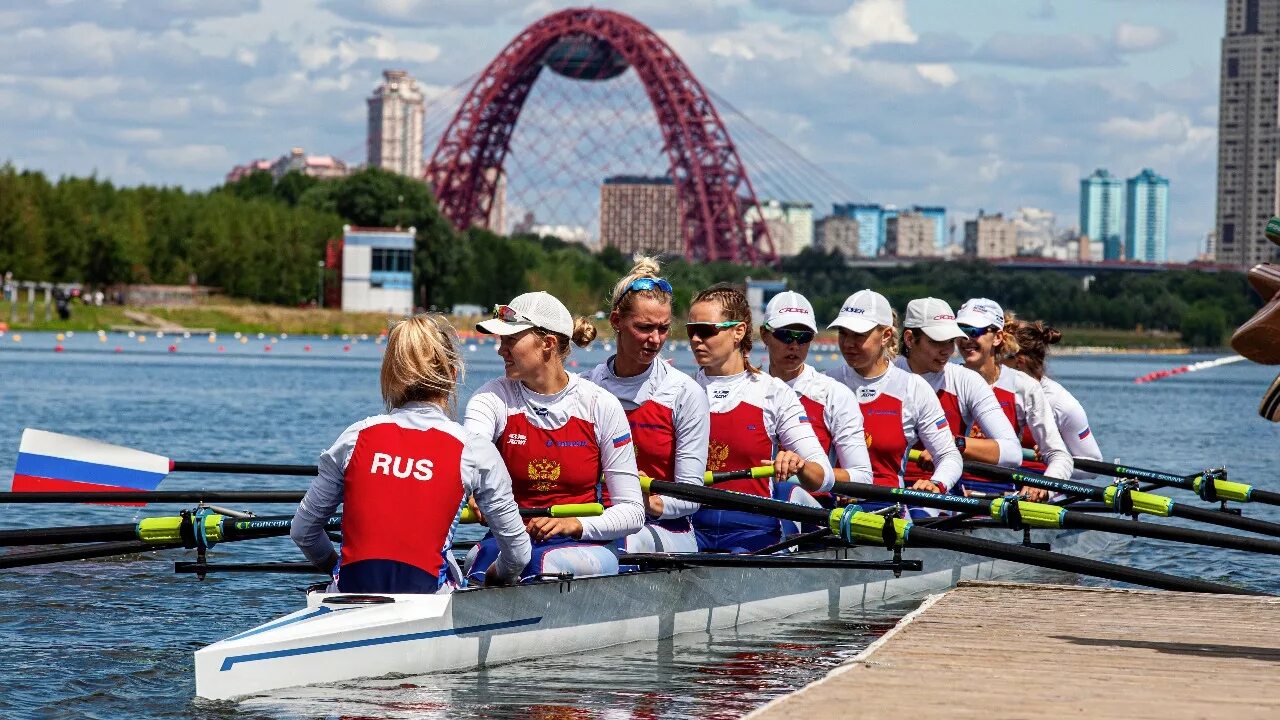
1013 650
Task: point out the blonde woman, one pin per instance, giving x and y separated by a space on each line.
755 419
403 477
558 434
898 407
667 411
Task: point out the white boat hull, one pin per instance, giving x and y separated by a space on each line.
418 634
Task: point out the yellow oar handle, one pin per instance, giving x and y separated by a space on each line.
164 530
557 511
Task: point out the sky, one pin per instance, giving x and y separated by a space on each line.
992 104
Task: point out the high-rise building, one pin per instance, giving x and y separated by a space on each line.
1102 212
640 215
1146 227
790 224
911 234
1035 229
939 217
838 233
1248 136
870 225
498 211
396 114
990 236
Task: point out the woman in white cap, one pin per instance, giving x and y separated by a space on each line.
751 415
984 345
898 408
668 412
929 334
558 433
403 477
1027 353
788 330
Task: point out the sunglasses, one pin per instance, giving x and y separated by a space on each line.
704 330
974 333
506 313
786 337
648 283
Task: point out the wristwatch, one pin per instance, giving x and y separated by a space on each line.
960 443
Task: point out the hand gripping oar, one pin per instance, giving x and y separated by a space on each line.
855 526
1121 498
1210 485
1018 513
220 528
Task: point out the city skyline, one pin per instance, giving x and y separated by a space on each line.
996 114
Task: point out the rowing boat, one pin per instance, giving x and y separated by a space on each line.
340 636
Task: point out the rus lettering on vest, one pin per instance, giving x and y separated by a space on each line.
384 464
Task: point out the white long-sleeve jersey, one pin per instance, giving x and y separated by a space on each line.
960 389
670 425
1034 417
483 474
898 408
836 420
1073 424
557 446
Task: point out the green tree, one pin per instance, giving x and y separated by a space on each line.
1203 325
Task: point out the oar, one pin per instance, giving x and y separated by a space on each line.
220 528
855 526
1018 513
1210 485
1120 498
755 473
155 496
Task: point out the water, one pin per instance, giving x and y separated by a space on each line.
113 638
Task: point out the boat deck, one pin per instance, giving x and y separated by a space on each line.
1086 652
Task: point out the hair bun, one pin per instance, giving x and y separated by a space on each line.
584 331
645 267
1052 335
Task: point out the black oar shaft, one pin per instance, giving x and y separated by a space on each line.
80 552
155 496
244 468
1225 519
942 539
199 568
72 534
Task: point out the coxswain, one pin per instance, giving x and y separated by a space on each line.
667 410
898 407
987 341
981 430
403 478
1033 341
752 414
558 434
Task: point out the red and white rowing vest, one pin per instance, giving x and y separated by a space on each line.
551 467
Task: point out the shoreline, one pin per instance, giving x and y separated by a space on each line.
225 318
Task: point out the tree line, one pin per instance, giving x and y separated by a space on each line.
260 239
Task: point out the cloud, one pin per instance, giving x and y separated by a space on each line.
1163 127
871 22
805 7
140 15
423 13
938 74
1044 11
191 156
1049 52
1140 38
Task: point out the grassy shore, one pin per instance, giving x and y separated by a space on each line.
232 316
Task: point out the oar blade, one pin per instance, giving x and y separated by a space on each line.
53 462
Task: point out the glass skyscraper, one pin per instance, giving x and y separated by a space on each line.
1102 212
1146 229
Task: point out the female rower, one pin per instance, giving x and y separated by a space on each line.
667 410
929 334
986 342
403 477
558 433
898 408
1033 341
751 414
832 410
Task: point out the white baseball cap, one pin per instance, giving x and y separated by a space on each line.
980 313
789 308
934 317
863 311
534 309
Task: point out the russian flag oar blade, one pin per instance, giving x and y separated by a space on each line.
52 462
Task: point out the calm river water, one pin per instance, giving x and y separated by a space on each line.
113 638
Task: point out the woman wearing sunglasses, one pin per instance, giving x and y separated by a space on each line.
667 410
751 414
558 433
929 334
403 477
898 408
1023 400
1031 343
